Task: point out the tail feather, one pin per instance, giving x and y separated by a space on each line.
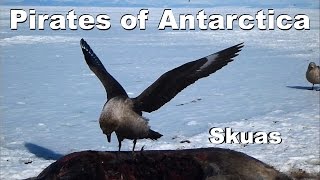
154 135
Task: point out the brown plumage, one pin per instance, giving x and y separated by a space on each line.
123 115
313 74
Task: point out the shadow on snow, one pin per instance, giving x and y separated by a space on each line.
42 152
305 88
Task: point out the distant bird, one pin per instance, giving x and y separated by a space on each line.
123 115
313 74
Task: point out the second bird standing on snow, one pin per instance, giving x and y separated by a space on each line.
123 115
313 74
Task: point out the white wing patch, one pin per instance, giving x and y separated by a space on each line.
210 59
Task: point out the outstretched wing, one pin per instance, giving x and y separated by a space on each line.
113 88
172 82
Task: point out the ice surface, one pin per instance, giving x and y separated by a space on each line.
50 101
36 39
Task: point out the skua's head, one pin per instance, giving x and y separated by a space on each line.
108 127
312 65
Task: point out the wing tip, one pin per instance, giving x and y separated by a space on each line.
239 46
84 45
232 52
89 56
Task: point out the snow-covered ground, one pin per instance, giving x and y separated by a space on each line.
50 101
